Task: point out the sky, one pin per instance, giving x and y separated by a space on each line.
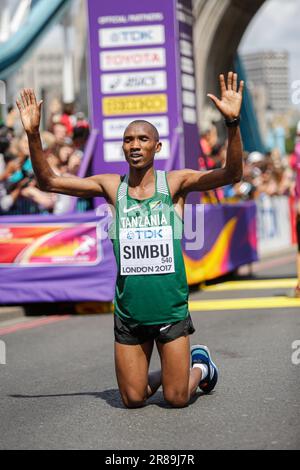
276 26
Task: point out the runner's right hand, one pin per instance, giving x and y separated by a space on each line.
30 110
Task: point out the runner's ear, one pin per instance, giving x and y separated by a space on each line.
158 147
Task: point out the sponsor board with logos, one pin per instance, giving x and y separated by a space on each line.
138 65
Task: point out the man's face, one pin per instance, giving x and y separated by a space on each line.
64 153
60 132
140 145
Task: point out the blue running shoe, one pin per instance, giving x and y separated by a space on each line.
200 354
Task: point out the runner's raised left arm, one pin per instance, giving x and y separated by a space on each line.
230 107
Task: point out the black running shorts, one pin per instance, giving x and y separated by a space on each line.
138 334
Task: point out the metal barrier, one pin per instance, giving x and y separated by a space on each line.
274 225
24 206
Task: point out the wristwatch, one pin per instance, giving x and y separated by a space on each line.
233 122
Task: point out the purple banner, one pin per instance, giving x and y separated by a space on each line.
55 259
64 258
229 240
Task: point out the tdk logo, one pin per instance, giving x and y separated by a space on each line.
132 36
148 234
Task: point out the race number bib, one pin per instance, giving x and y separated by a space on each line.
146 250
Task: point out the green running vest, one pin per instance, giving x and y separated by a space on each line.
151 286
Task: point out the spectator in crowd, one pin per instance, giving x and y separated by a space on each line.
63 144
48 141
7 169
54 113
264 174
80 135
64 141
208 142
63 202
67 118
60 133
64 153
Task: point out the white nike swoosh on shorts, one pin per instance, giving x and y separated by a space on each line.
164 327
131 209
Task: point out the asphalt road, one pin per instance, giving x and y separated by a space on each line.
58 387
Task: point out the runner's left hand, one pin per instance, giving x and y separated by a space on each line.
231 97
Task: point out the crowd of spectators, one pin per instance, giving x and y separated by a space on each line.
270 173
63 144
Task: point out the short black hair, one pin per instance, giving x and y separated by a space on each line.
142 121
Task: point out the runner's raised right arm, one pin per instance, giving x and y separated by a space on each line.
93 186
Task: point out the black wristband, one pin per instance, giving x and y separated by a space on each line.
233 122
